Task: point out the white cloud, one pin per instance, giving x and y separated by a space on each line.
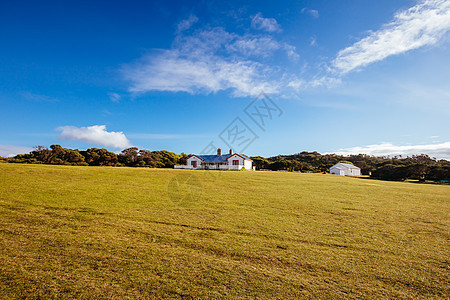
187 23
324 81
291 52
11 150
209 61
297 84
312 12
255 46
172 71
114 97
421 25
37 97
96 134
267 24
440 151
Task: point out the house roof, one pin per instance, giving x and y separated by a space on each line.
219 158
343 166
241 155
214 158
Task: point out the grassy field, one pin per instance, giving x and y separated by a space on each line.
99 232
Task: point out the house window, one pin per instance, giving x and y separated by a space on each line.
235 162
194 164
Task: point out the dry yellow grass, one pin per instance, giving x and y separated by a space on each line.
93 232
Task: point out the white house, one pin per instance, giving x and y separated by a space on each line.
345 169
230 161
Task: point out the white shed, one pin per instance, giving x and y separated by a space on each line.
345 169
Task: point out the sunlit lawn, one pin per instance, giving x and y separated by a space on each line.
99 232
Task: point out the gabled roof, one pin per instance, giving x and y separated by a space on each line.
241 155
218 158
343 166
192 155
214 158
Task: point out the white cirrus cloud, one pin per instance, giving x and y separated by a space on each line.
298 84
187 23
12 150
96 135
440 151
172 71
208 61
291 51
114 97
421 25
312 12
261 46
37 97
267 24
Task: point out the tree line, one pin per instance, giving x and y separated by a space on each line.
420 167
131 157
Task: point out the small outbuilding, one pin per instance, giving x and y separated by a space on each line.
345 169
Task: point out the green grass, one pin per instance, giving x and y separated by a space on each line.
98 232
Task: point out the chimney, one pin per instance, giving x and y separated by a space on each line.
219 152
231 151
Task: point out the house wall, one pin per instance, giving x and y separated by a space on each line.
247 164
194 158
337 171
235 157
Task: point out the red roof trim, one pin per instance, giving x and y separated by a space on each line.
195 156
239 156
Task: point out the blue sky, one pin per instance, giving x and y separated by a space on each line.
328 76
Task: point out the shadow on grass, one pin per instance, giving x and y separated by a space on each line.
406 180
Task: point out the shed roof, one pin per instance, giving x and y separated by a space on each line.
343 166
